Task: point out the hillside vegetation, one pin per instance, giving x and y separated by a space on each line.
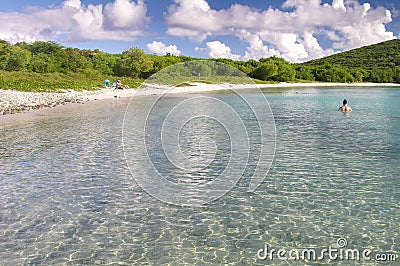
376 63
381 55
48 66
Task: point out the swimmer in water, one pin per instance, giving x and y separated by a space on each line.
344 107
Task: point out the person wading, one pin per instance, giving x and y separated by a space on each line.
344 107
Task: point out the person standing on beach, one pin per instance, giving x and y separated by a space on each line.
106 83
344 107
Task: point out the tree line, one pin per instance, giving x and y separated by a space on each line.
50 57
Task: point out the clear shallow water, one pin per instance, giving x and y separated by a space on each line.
67 196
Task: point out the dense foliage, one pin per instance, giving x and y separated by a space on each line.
48 65
374 63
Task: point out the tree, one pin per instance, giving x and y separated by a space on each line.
39 47
4 52
359 74
275 68
74 61
43 63
265 71
396 74
285 73
304 73
17 59
104 63
225 70
202 69
134 63
246 69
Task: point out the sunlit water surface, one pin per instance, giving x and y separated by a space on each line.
67 195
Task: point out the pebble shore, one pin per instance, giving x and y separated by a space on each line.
12 102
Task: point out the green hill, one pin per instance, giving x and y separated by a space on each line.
374 63
381 55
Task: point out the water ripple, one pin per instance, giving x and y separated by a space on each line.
67 196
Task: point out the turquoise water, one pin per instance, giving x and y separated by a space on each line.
67 195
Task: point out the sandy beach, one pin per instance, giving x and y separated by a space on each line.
15 101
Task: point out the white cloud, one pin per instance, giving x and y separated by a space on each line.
314 50
162 49
338 4
256 48
291 32
190 18
118 20
17 27
127 15
217 49
73 3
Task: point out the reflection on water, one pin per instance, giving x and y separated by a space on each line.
67 195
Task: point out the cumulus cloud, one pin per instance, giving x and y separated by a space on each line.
217 49
123 14
293 31
256 49
75 22
162 49
17 27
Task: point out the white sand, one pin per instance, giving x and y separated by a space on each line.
14 101
203 87
196 87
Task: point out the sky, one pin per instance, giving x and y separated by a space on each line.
296 30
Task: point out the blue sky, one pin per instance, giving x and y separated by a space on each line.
297 30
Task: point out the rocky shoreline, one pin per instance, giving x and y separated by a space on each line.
12 102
